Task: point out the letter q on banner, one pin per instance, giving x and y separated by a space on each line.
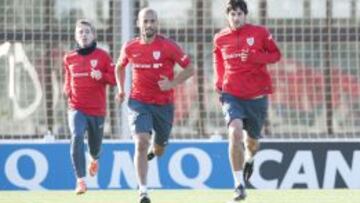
41 169
177 173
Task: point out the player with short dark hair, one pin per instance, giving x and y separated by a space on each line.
241 53
151 107
88 71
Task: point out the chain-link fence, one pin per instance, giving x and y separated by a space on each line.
317 83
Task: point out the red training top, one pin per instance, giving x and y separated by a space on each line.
85 93
149 62
244 79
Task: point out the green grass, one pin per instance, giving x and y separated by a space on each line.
183 196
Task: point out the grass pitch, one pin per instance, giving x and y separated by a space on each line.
183 196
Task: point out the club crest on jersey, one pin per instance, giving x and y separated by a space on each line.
250 41
93 63
156 55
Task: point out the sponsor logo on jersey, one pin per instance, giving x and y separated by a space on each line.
232 56
156 55
250 41
157 65
80 75
141 65
147 66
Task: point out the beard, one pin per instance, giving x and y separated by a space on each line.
149 33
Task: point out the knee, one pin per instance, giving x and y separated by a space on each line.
236 130
235 134
77 141
142 145
158 150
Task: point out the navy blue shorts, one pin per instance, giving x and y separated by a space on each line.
253 112
145 118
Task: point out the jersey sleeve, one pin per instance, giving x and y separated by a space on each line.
178 55
123 58
67 78
271 53
218 66
108 72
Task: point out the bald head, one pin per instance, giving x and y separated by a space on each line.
148 24
147 11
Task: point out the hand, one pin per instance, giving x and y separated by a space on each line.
244 55
120 97
95 74
67 93
218 91
165 84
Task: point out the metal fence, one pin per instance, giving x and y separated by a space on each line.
317 83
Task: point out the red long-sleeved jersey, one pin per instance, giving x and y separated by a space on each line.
85 93
244 79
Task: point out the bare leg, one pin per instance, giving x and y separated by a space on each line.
236 156
140 160
236 149
251 147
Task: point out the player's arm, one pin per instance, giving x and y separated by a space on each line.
108 75
271 53
218 66
120 74
185 74
67 79
165 84
184 61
